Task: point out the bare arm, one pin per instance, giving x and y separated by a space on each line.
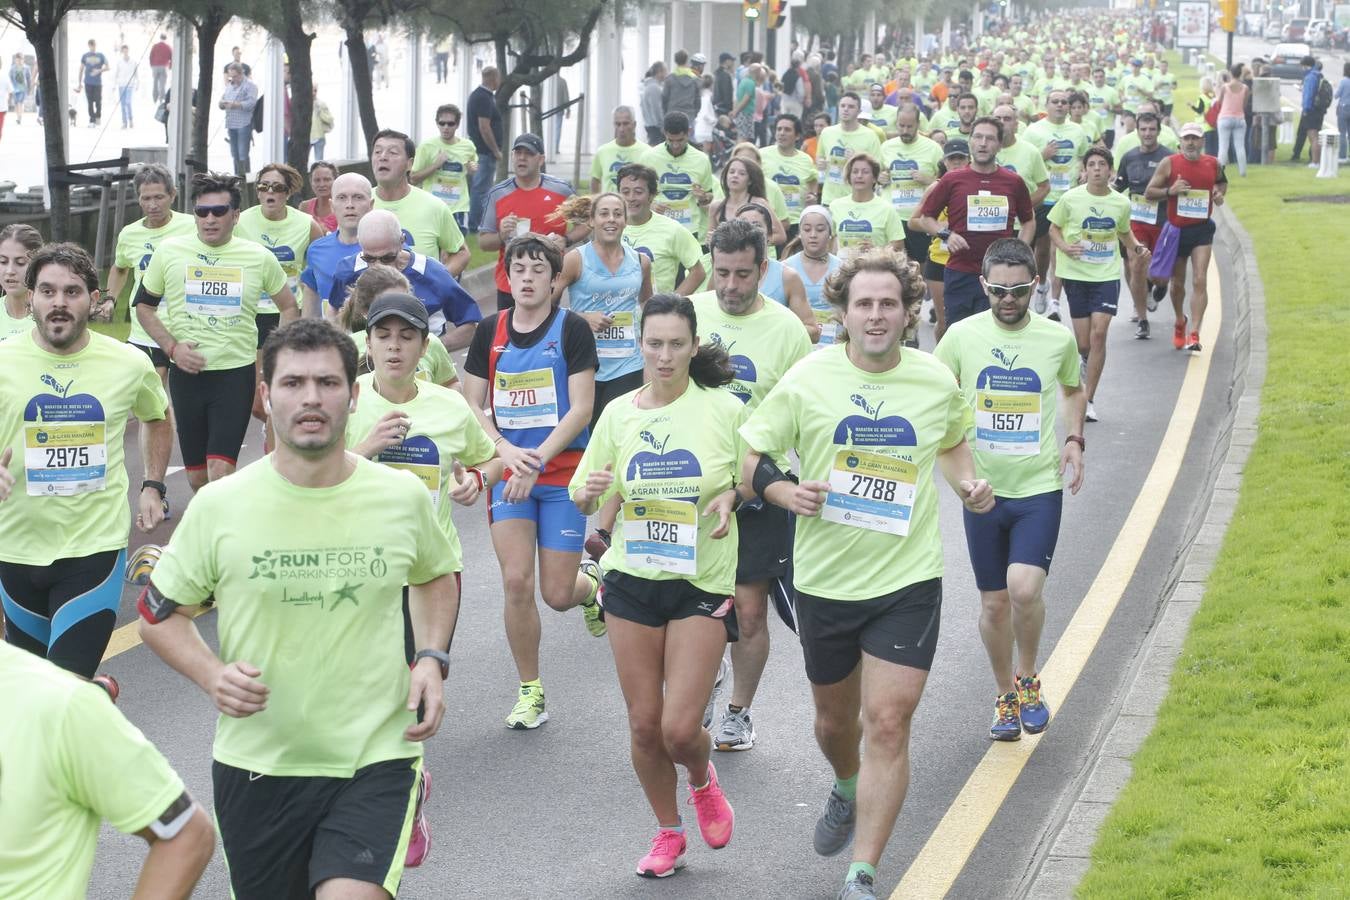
1042 191
417 176
1157 185
693 280
233 687
571 271
458 337
795 291
312 306
645 292
1027 232
173 867
117 278
286 305
433 609
958 467
458 261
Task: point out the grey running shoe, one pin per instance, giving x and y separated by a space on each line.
859 887
1039 300
1052 310
736 731
834 828
712 698
1141 330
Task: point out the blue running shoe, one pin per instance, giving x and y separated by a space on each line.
1035 714
1007 723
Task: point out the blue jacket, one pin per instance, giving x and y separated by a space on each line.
1310 82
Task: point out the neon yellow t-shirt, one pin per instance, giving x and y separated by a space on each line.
669 463
1134 89
450 183
1010 380
836 146
875 222
902 161
985 97
1072 142
883 118
64 417
610 158
428 222
1098 222
135 245
874 438
287 240
667 245
442 429
10 326
70 761
318 608
210 295
675 178
795 176
436 364
1102 101
1024 159
1127 142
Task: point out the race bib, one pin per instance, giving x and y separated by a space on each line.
1143 210
905 197
64 459
1008 422
448 193
791 187
661 534
835 171
868 490
525 399
681 210
1099 246
986 212
1193 205
214 291
1061 178
420 456
829 328
619 339
854 233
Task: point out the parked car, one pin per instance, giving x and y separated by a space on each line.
1274 31
1318 33
1294 30
1287 60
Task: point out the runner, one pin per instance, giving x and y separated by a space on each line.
982 200
310 620
210 284
1020 156
65 395
351 201
955 156
781 285
867 561
669 451
1133 174
764 341
742 182
445 163
1166 136
1193 184
684 175
320 206
865 219
428 224
671 248
878 112
1062 144
909 163
71 761
1013 436
791 169
813 264
533 368
1087 227
613 156
837 144
18 243
435 364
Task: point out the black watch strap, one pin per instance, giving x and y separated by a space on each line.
157 485
440 656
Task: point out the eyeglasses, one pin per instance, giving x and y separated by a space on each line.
271 187
1019 291
387 259
219 211
448 124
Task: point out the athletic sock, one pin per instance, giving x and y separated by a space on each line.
536 683
854 868
733 708
678 827
847 787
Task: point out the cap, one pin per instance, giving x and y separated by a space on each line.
403 306
723 57
531 142
698 59
955 148
1192 129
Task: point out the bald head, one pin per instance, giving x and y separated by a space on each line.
351 200
380 233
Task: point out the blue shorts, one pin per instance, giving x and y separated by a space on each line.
962 295
1089 297
1017 530
559 524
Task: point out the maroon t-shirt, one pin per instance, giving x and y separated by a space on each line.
1005 191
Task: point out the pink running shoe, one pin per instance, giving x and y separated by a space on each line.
419 846
716 819
666 855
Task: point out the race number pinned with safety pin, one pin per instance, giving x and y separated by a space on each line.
214 291
525 399
872 491
661 534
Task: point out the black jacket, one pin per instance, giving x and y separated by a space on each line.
724 92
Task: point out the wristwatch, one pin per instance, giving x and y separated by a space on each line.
1076 439
440 656
944 234
157 485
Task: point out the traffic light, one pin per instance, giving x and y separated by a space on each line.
777 13
750 9
1228 15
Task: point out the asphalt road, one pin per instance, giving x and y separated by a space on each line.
557 813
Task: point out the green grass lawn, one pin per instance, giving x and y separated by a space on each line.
1243 789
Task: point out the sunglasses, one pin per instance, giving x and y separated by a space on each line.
387 259
271 187
220 211
1019 291
447 124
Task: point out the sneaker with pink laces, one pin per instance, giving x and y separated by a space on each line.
419 845
666 855
716 819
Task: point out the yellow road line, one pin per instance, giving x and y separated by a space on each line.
944 855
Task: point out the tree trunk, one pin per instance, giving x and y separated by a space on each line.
503 100
298 46
208 32
53 112
365 90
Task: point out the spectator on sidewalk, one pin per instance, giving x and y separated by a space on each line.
680 93
161 60
1310 122
321 122
92 66
238 99
125 77
653 103
486 131
724 85
20 79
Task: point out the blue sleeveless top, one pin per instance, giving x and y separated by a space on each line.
772 285
528 387
616 295
815 295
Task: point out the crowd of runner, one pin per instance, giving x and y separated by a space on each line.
733 389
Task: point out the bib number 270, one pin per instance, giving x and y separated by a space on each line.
523 398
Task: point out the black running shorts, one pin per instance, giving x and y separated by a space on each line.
900 628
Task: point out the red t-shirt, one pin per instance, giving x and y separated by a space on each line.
1201 175
161 54
999 200
536 204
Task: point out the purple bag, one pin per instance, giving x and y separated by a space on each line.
1165 251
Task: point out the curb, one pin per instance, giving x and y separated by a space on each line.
478 282
1065 851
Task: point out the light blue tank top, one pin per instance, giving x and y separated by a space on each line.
815 295
616 295
772 285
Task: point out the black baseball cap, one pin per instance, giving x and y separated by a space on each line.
531 142
724 57
955 147
401 306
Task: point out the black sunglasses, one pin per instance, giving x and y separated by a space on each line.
387 259
448 124
220 211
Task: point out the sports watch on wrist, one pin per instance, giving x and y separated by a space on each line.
440 656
